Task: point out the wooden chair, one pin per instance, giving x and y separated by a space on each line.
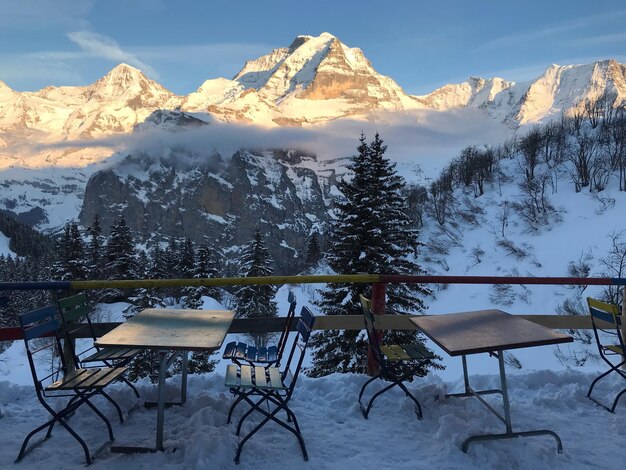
75 313
409 356
610 314
272 387
42 334
243 352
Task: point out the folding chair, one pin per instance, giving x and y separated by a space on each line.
272 387
42 334
75 313
389 357
610 314
243 352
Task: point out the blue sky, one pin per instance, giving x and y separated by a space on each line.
422 45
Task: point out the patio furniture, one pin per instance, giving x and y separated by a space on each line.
173 333
75 313
493 332
239 352
397 362
42 335
272 387
611 330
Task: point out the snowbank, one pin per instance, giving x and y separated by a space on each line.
336 435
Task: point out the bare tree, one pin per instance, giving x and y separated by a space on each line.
529 147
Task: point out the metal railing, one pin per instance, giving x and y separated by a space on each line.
330 322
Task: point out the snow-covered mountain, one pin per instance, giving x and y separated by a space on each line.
558 89
314 80
310 83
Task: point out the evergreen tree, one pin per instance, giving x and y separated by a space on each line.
313 251
71 263
256 301
205 267
371 233
94 249
121 257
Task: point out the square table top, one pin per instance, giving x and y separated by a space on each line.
171 329
484 331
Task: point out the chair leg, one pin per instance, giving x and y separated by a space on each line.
247 413
127 382
374 397
369 381
617 399
271 417
614 368
117 407
596 380
418 407
104 418
24 450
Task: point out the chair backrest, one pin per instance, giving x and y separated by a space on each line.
374 336
43 324
75 310
303 328
282 341
609 313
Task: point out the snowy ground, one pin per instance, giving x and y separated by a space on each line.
336 435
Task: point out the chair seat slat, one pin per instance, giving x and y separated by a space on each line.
260 379
246 376
417 351
275 383
614 348
232 379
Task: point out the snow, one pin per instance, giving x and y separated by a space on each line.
4 246
336 435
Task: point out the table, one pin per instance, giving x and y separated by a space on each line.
493 332
172 332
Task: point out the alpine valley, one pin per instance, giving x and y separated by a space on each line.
126 145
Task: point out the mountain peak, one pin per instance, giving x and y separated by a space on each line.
4 88
126 80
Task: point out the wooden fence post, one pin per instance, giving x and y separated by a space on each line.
378 308
624 323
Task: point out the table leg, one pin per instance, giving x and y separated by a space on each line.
161 399
509 434
469 391
183 381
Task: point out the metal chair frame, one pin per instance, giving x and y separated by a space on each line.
271 400
609 313
75 313
241 352
386 371
84 384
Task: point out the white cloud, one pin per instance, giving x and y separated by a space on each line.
102 46
425 138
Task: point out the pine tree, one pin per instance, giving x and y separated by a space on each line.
71 263
256 301
313 251
371 233
205 267
121 259
94 249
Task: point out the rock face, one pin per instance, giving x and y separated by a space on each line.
219 202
